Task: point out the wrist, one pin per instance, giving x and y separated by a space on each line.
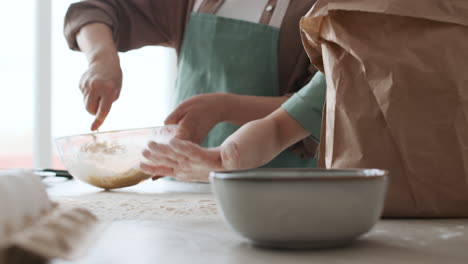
104 55
96 41
226 106
229 107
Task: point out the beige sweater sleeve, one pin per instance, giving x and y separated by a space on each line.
134 23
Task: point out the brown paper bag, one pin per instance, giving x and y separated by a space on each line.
397 96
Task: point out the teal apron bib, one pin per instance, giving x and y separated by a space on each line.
232 56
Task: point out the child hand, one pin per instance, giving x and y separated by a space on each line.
187 161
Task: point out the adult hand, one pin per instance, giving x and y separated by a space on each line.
187 161
197 115
100 86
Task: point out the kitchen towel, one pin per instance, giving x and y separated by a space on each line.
33 229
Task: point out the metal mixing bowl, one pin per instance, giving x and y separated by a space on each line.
301 208
110 159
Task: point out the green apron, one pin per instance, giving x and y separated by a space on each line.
233 56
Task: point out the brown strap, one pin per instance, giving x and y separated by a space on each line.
210 6
268 12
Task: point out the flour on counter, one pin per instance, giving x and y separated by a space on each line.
109 206
450 234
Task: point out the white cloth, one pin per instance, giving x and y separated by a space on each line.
23 198
247 10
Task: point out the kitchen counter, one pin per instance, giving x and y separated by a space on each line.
168 222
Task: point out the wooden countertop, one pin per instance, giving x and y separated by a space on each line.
199 235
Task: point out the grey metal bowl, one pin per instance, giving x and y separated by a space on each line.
290 208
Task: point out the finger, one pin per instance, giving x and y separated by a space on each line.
193 176
230 157
192 129
183 147
156 159
104 107
195 153
182 132
156 170
166 151
92 102
83 83
174 117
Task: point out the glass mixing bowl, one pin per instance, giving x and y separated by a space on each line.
111 159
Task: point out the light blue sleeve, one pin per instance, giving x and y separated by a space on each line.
306 106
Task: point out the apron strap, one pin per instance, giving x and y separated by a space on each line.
274 12
210 6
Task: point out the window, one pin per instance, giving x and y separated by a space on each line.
16 81
148 75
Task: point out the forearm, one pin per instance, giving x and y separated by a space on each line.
134 23
259 141
245 108
96 42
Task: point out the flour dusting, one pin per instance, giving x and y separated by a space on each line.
446 233
109 206
449 235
